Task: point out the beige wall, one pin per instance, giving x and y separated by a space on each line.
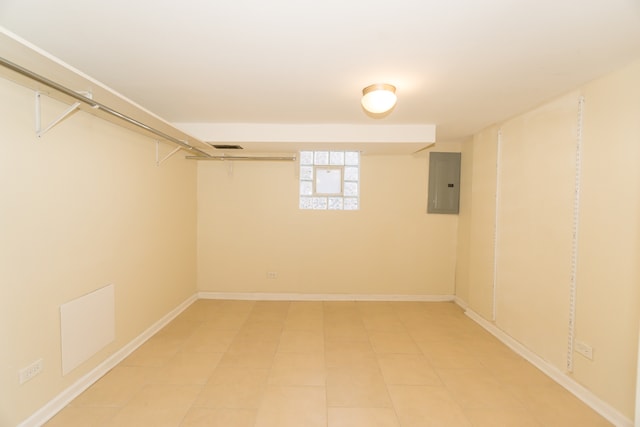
535 220
249 224
80 208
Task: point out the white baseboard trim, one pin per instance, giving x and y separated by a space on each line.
593 401
253 296
55 405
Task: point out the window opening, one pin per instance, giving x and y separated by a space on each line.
330 180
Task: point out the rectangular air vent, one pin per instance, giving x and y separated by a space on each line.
226 147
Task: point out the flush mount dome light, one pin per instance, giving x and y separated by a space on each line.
379 98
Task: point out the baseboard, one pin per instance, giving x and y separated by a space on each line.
593 401
54 406
320 297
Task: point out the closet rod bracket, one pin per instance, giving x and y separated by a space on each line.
167 157
68 112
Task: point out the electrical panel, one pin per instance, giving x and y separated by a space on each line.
444 183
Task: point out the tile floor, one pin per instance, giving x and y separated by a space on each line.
332 364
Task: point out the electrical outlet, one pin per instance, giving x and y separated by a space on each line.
584 349
30 371
272 275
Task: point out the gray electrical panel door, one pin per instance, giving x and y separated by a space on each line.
444 183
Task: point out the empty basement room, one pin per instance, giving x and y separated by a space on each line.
205 220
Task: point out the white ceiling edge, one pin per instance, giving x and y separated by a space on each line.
264 137
30 57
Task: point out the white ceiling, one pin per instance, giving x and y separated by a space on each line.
459 64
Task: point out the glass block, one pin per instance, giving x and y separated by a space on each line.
336 158
335 203
321 157
306 188
319 203
350 188
306 157
350 204
352 158
351 173
306 173
306 202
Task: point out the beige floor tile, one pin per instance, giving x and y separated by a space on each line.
293 407
235 307
225 321
156 352
451 354
234 388
474 389
83 416
362 417
515 370
247 360
187 368
301 342
349 353
298 369
383 322
157 405
345 332
260 331
178 329
221 417
115 388
207 340
408 369
426 406
356 387
304 322
554 406
501 418
393 342
305 308
374 307
244 345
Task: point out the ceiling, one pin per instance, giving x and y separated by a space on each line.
283 66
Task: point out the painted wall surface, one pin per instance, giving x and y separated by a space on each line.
249 224
463 251
82 207
608 299
535 212
535 224
483 201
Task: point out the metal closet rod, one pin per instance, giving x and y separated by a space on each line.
93 104
249 158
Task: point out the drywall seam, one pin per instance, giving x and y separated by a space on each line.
585 395
56 404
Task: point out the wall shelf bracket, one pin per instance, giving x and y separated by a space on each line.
68 112
159 161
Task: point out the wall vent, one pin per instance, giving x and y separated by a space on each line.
226 147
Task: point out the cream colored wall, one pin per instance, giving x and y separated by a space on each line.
608 309
80 208
536 192
463 251
249 224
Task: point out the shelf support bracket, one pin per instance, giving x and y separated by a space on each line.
160 161
69 111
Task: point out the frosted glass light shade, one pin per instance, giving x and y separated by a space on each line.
378 98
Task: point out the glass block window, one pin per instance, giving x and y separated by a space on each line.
330 180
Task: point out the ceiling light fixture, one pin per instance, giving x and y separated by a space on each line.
379 98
